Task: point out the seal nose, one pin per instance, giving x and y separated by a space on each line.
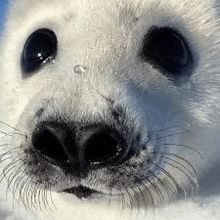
52 141
92 147
105 147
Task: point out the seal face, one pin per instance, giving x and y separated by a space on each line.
108 103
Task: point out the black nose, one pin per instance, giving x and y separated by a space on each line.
79 150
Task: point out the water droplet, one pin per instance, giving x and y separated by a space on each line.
79 69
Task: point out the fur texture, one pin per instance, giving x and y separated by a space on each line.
98 79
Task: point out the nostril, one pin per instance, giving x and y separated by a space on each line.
106 147
77 152
48 143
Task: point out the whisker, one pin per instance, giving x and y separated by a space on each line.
2 132
185 146
51 199
11 150
136 198
157 190
167 174
37 194
16 184
160 181
3 145
165 129
142 194
190 179
110 197
47 198
9 125
8 153
3 160
11 174
171 135
167 189
107 99
130 198
14 174
25 194
44 199
30 195
11 134
150 195
14 149
123 200
178 164
7 169
20 134
53 95
152 174
179 157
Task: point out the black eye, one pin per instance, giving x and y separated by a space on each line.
166 49
40 48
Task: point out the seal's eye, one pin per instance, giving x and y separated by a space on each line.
166 49
40 48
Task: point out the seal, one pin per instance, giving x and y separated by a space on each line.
110 110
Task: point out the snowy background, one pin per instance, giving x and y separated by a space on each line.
3 7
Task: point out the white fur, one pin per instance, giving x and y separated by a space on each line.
104 36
